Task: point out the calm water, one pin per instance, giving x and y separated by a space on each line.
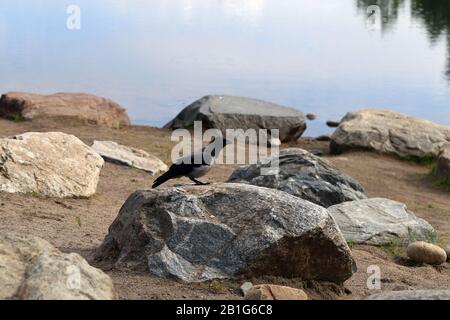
154 57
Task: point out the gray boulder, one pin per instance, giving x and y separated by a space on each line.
379 221
198 233
443 165
412 295
113 152
389 132
52 164
228 112
32 269
303 175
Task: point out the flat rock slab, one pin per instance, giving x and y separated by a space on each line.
136 158
380 221
52 164
198 233
389 132
32 269
303 175
412 295
228 112
97 110
274 292
443 165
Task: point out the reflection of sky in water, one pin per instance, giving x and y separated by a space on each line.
154 57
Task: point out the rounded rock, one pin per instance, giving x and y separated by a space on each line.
333 123
246 286
274 292
426 253
447 251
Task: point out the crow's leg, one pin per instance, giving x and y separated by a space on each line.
199 183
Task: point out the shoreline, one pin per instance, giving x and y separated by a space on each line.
55 220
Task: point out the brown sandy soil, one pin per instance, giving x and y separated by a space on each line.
79 225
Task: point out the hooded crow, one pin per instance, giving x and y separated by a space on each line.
195 165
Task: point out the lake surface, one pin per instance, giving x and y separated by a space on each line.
155 57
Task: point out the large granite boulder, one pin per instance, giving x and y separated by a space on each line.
379 221
113 152
87 107
198 233
412 295
303 175
50 164
443 164
32 269
228 112
389 132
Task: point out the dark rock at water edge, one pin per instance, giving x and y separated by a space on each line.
229 112
333 123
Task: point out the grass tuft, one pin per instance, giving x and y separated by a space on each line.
398 249
78 221
394 248
350 244
216 286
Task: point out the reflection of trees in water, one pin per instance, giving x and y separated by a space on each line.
389 10
436 17
434 14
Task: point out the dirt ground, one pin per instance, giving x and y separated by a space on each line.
58 220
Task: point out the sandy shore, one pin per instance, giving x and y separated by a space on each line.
58 220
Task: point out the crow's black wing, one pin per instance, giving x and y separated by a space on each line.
182 167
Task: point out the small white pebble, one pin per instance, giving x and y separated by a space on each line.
245 287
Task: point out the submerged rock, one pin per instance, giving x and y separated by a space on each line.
98 110
379 221
303 175
228 112
389 132
52 164
32 269
198 233
136 158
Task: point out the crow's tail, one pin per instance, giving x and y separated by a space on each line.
163 178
